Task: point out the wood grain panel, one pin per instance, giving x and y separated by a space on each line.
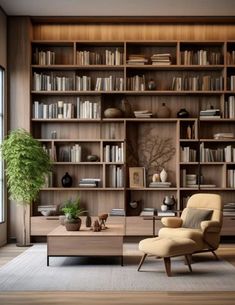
134 31
228 227
19 59
141 226
41 226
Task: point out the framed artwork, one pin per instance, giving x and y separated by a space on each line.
136 177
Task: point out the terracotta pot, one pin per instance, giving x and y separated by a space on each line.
74 225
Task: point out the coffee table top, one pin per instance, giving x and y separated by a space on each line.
112 230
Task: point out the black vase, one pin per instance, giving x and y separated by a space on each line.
183 113
67 180
88 221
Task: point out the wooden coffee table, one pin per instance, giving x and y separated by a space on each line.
85 242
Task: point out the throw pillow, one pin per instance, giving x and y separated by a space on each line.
194 217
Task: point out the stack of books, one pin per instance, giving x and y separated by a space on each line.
167 213
117 212
161 59
143 114
148 212
137 59
210 114
229 209
89 182
160 184
223 135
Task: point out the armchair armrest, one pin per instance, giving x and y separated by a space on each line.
172 222
210 226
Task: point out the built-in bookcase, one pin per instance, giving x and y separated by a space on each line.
74 82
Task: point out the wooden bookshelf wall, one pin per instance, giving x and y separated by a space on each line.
93 134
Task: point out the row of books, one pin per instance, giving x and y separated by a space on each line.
229 107
59 110
62 110
187 154
115 176
197 83
226 154
51 152
200 57
231 178
193 181
114 153
136 83
87 109
231 58
89 182
70 153
231 83
108 57
52 82
48 180
43 57
110 83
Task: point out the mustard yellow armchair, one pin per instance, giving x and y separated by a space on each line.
200 221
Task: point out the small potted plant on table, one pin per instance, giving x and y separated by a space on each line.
72 211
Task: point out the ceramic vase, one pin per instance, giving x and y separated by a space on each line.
151 84
126 108
67 180
183 113
163 111
163 175
112 113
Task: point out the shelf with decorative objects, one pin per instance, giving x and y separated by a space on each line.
114 115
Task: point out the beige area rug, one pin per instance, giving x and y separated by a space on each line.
28 271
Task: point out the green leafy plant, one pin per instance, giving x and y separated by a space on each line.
72 209
26 164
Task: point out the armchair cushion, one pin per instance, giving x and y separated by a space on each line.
210 226
194 217
172 222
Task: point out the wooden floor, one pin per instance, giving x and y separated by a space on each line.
226 251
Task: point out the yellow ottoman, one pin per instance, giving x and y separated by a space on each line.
167 248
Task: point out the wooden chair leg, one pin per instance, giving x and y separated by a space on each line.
188 260
215 255
167 262
142 261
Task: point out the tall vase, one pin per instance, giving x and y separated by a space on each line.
163 111
163 175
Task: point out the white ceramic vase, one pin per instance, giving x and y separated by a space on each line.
163 175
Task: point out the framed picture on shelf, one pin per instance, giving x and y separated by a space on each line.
136 177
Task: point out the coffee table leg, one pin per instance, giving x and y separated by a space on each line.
48 260
121 260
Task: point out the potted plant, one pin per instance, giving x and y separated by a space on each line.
26 164
72 210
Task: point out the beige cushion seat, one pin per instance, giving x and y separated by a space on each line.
166 248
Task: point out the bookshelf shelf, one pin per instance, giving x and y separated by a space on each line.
131 138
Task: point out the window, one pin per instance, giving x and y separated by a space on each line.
1 139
